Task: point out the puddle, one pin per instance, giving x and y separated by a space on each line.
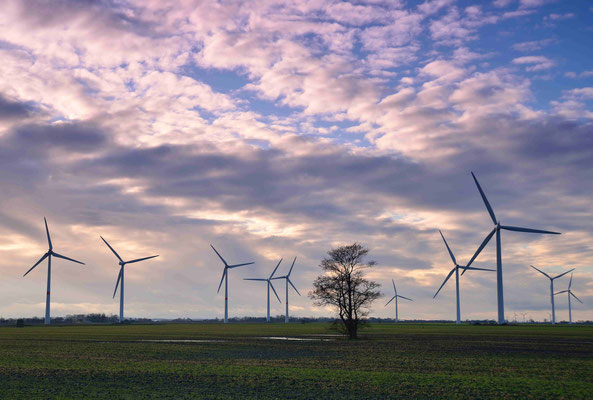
296 339
182 341
165 341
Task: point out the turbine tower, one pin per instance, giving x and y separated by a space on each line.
570 293
120 278
552 288
225 278
288 281
396 297
497 228
48 255
456 271
269 280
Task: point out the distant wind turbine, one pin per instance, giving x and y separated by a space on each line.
456 271
225 278
497 228
395 298
570 293
288 281
552 288
269 280
48 255
120 278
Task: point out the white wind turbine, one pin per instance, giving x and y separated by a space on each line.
396 297
269 280
570 293
120 278
456 271
288 281
225 278
497 228
552 288
48 255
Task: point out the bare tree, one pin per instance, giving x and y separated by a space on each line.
343 286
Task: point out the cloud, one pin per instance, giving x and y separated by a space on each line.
534 3
10 109
535 63
533 45
580 93
584 74
558 17
502 3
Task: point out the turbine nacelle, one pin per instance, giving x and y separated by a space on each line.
554 277
226 267
456 265
269 280
121 264
396 295
50 252
287 277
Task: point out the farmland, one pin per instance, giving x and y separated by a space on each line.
238 361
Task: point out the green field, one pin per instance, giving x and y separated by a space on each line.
237 361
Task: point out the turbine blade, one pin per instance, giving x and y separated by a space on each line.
563 291
446 279
570 282
140 259
293 286
479 269
66 258
490 211
47 231
449 249
279 277
562 274
37 263
255 279
528 230
219 256
390 300
394 289
272 286
114 252
221 279
240 265
121 271
402 297
573 295
291 267
484 243
542 272
274 271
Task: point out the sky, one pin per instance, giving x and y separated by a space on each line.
281 129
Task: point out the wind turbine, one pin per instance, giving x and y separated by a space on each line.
497 228
396 297
48 255
225 278
552 288
570 293
120 278
269 280
456 271
287 277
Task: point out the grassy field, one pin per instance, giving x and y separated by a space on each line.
240 361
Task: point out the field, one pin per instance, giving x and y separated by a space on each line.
240 361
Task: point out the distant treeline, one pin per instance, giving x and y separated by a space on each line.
114 319
72 319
